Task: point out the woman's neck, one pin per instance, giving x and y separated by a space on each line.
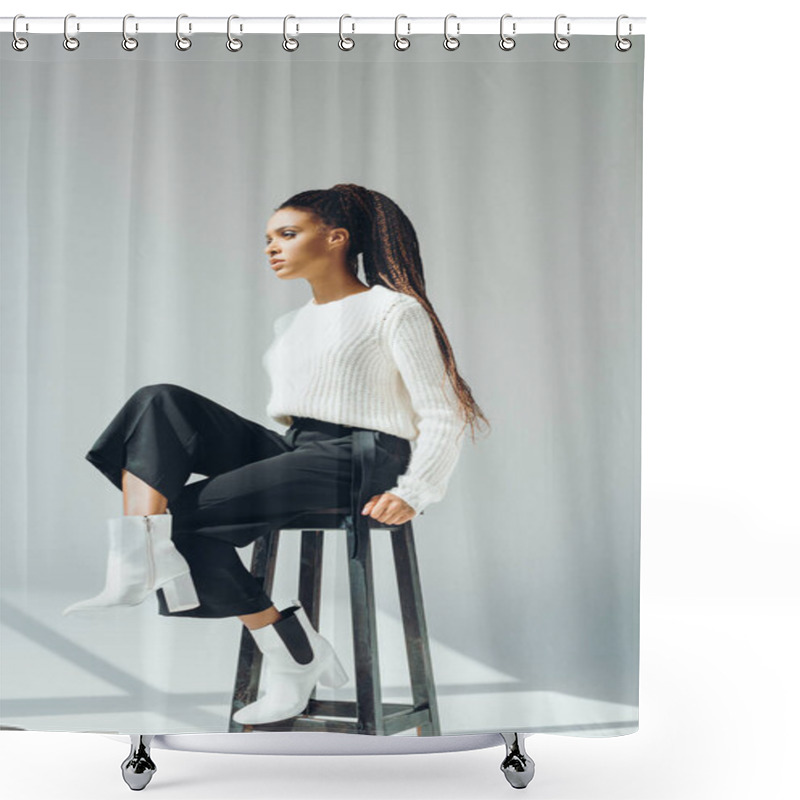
329 294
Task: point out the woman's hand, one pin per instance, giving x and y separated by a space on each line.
389 509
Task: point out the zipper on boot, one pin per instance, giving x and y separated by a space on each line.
151 567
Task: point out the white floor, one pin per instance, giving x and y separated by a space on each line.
69 677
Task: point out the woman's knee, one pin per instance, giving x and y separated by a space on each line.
148 392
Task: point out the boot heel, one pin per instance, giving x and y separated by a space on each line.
333 675
180 593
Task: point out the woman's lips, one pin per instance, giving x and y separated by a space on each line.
276 264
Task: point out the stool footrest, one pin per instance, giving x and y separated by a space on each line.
397 717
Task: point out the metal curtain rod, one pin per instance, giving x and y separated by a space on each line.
457 26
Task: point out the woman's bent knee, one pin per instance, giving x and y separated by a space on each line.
156 390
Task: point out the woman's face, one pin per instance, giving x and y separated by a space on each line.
301 247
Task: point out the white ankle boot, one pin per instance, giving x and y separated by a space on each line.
142 558
295 658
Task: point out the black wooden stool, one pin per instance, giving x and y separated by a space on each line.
368 714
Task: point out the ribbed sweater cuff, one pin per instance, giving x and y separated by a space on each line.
418 500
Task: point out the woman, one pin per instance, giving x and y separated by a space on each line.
355 356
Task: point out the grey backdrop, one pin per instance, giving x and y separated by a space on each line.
135 192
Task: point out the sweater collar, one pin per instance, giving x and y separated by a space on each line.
312 304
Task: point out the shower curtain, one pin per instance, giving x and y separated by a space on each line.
493 200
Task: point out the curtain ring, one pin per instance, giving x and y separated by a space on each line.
400 42
18 43
451 42
289 43
128 42
507 42
623 45
233 44
182 42
560 42
70 42
345 43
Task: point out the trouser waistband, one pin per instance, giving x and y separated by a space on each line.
337 429
332 428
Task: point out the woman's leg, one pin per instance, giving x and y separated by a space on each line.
262 619
141 499
238 506
163 434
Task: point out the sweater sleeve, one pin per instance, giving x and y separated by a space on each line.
435 451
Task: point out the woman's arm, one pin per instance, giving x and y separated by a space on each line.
435 451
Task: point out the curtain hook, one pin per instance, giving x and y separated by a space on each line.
128 42
345 43
182 42
560 42
451 42
623 45
289 43
70 42
507 42
401 43
233 44
18 43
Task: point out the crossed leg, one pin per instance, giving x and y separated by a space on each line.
140 498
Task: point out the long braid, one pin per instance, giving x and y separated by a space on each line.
385 237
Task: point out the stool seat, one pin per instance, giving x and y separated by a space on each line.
326 519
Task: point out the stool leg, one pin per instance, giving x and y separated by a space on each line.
310 581
417 646
248 669
264 562
309 585
369 706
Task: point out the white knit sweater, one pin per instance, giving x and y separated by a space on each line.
371 360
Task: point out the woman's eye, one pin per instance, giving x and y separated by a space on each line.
284 233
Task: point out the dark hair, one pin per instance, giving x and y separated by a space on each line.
387 241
